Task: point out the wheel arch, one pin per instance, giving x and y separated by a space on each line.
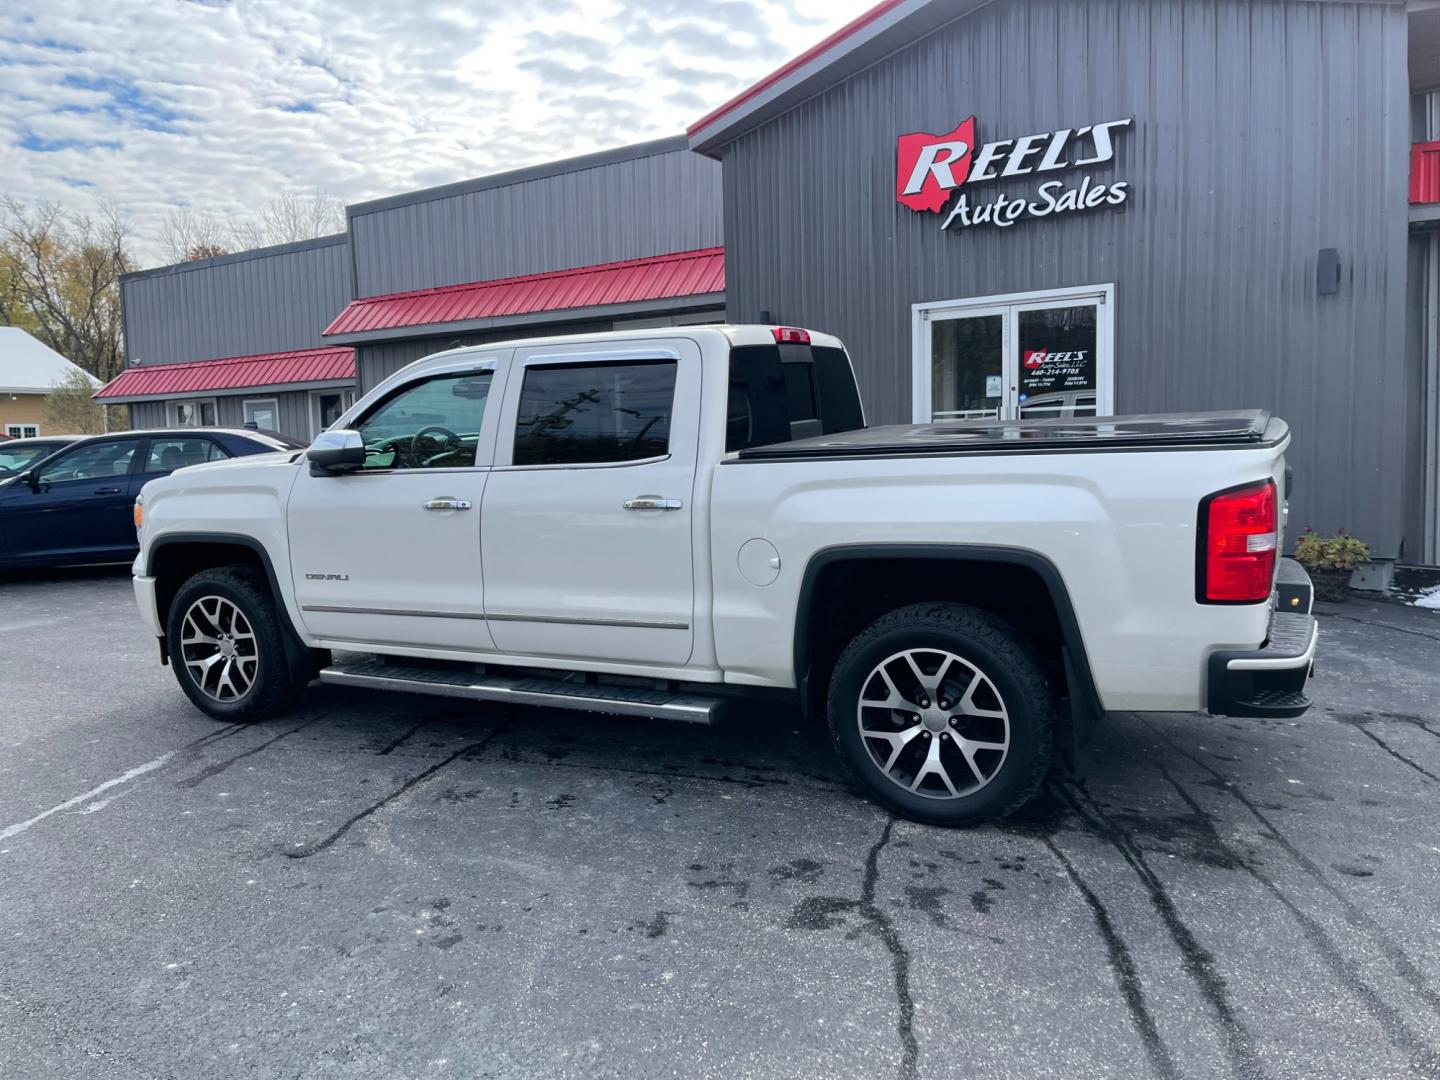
172 559
1085 705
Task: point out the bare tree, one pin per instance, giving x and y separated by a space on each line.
187 235
290 217
64 280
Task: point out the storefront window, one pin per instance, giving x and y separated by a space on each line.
966 367
1058 375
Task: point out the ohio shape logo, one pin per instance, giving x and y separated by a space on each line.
929 169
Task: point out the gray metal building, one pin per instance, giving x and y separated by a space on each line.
1251 243
237 338
498 257
285 337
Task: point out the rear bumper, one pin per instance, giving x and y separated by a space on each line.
1270 681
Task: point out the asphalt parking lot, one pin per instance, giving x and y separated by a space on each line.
396 886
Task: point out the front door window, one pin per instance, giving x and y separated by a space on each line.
1026 356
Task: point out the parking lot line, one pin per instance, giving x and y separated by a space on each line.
125 777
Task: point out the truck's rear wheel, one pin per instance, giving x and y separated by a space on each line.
943 714
224 639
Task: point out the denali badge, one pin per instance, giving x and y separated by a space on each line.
327 577
931 168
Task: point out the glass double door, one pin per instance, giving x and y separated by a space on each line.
1023 357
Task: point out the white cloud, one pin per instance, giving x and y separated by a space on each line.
221 105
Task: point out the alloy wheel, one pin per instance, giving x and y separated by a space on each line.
218 648
933 723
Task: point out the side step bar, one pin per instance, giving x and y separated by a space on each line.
591 697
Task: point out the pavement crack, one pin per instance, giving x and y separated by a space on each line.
1324 946
395 744
218 767
1197 961
414 781
1396 754
1381 625
899 956
1122 965
1354 915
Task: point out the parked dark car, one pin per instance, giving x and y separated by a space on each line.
75 506
17 455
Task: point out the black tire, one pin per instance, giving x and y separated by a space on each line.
272 687
1011 673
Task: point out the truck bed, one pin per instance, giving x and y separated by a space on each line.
1247 428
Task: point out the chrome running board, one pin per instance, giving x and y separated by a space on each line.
557 694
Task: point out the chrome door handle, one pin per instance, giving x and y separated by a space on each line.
445 502
107 491
652 502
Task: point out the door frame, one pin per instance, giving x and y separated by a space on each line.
922 315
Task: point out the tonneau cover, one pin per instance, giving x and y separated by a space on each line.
1245 427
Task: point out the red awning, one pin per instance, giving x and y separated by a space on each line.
660 277
329 364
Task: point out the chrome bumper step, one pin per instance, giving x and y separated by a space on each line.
556 693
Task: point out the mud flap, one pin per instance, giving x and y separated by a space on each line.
1078 715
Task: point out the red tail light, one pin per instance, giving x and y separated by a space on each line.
791 335
1237 545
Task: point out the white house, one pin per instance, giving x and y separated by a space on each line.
29 370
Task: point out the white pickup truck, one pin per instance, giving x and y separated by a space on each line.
657 522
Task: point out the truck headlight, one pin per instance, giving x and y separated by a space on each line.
139 514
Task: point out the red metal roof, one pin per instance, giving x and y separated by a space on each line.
1425 172
327 364
851 28
659 277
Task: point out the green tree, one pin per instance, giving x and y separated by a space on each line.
71 407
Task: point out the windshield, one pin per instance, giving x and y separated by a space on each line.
14 459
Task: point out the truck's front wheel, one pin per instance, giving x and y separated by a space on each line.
943 714
224 639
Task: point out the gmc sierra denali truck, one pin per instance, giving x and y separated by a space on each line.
656 522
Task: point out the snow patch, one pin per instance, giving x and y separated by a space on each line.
1430 598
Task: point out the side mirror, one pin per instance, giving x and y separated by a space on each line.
29 477
336 452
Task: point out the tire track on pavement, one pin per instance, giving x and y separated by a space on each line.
1123 967
1198 962
1422 1057
1354 914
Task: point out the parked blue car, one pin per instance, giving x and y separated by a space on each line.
75 506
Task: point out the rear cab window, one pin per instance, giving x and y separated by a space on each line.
779 393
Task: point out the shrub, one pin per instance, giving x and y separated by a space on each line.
1339 552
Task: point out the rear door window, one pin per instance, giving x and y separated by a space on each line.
167 455
595 413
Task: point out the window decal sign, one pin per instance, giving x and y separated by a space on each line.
930 169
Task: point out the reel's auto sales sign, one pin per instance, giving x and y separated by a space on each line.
930 169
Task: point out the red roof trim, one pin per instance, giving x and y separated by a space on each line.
656 277
330 363
849 29
1424 173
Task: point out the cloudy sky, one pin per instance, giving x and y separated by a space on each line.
221 104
